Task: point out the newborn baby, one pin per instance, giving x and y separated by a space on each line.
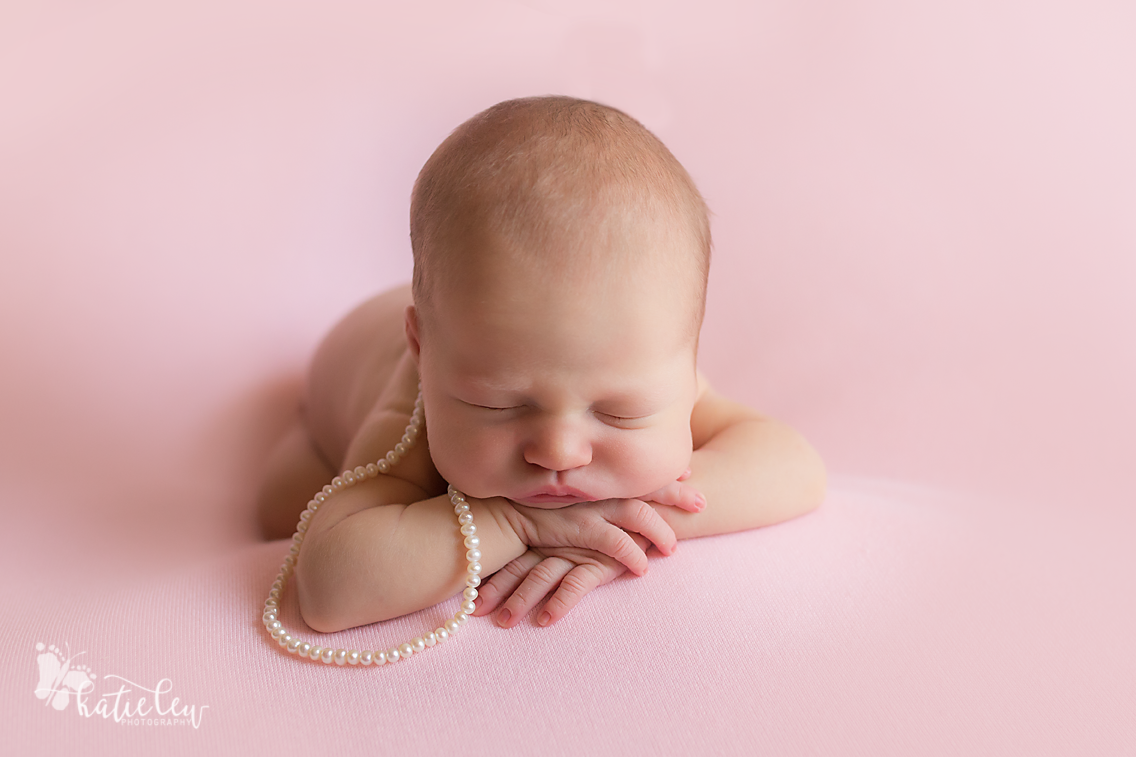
560 265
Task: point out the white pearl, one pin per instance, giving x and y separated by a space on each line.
353 657
283 639
340 657
470 593
400 449
474 567
269 617
431 639
461 508
473 555
307 514
315 652
295 550
393 655
380 658
372 470
392 458
473 581
472 542
469 529
275 594
465 517
366 657
337 484
304 649
327 655
276 625
360 473
468 607
328 490
293 645
418 643
405 651
441 634
460 618
321 497
302 526
384 466
297 538
348 478
452 626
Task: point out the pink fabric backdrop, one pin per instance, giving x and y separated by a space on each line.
925 259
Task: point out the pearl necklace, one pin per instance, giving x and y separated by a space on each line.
346 480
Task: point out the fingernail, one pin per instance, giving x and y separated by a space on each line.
544 618
701 501
503 617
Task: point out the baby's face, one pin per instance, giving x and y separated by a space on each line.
555 393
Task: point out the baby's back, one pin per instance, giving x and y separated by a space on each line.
361 364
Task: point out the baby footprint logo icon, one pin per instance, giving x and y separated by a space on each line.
57 679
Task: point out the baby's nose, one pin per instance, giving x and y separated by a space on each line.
559 446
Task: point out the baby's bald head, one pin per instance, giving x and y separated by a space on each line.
561 191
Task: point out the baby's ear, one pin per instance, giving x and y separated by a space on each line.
412 332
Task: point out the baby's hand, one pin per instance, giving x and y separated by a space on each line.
532 576
680 495
597 526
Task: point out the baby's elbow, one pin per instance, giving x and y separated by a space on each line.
811 475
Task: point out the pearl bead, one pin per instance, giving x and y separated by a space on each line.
393 655
353 657
269 617
337 484
473 555
418 643
283 639
472 542
293 645
470 593
372 470
304 649
468 607
321 498
315 652
392 457
328 490
307 514
365 657
360 473
400 449
276 625
474 567
405 651
441 634
452 626
469 529
473 581
340 657
327 655
380 658
348 478
431 639
465 517
384 466
460 618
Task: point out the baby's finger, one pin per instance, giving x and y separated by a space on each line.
685 475
504 582
578 582
540 580
679 495
636 515
611 540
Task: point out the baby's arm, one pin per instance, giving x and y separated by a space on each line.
365 561
752 471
